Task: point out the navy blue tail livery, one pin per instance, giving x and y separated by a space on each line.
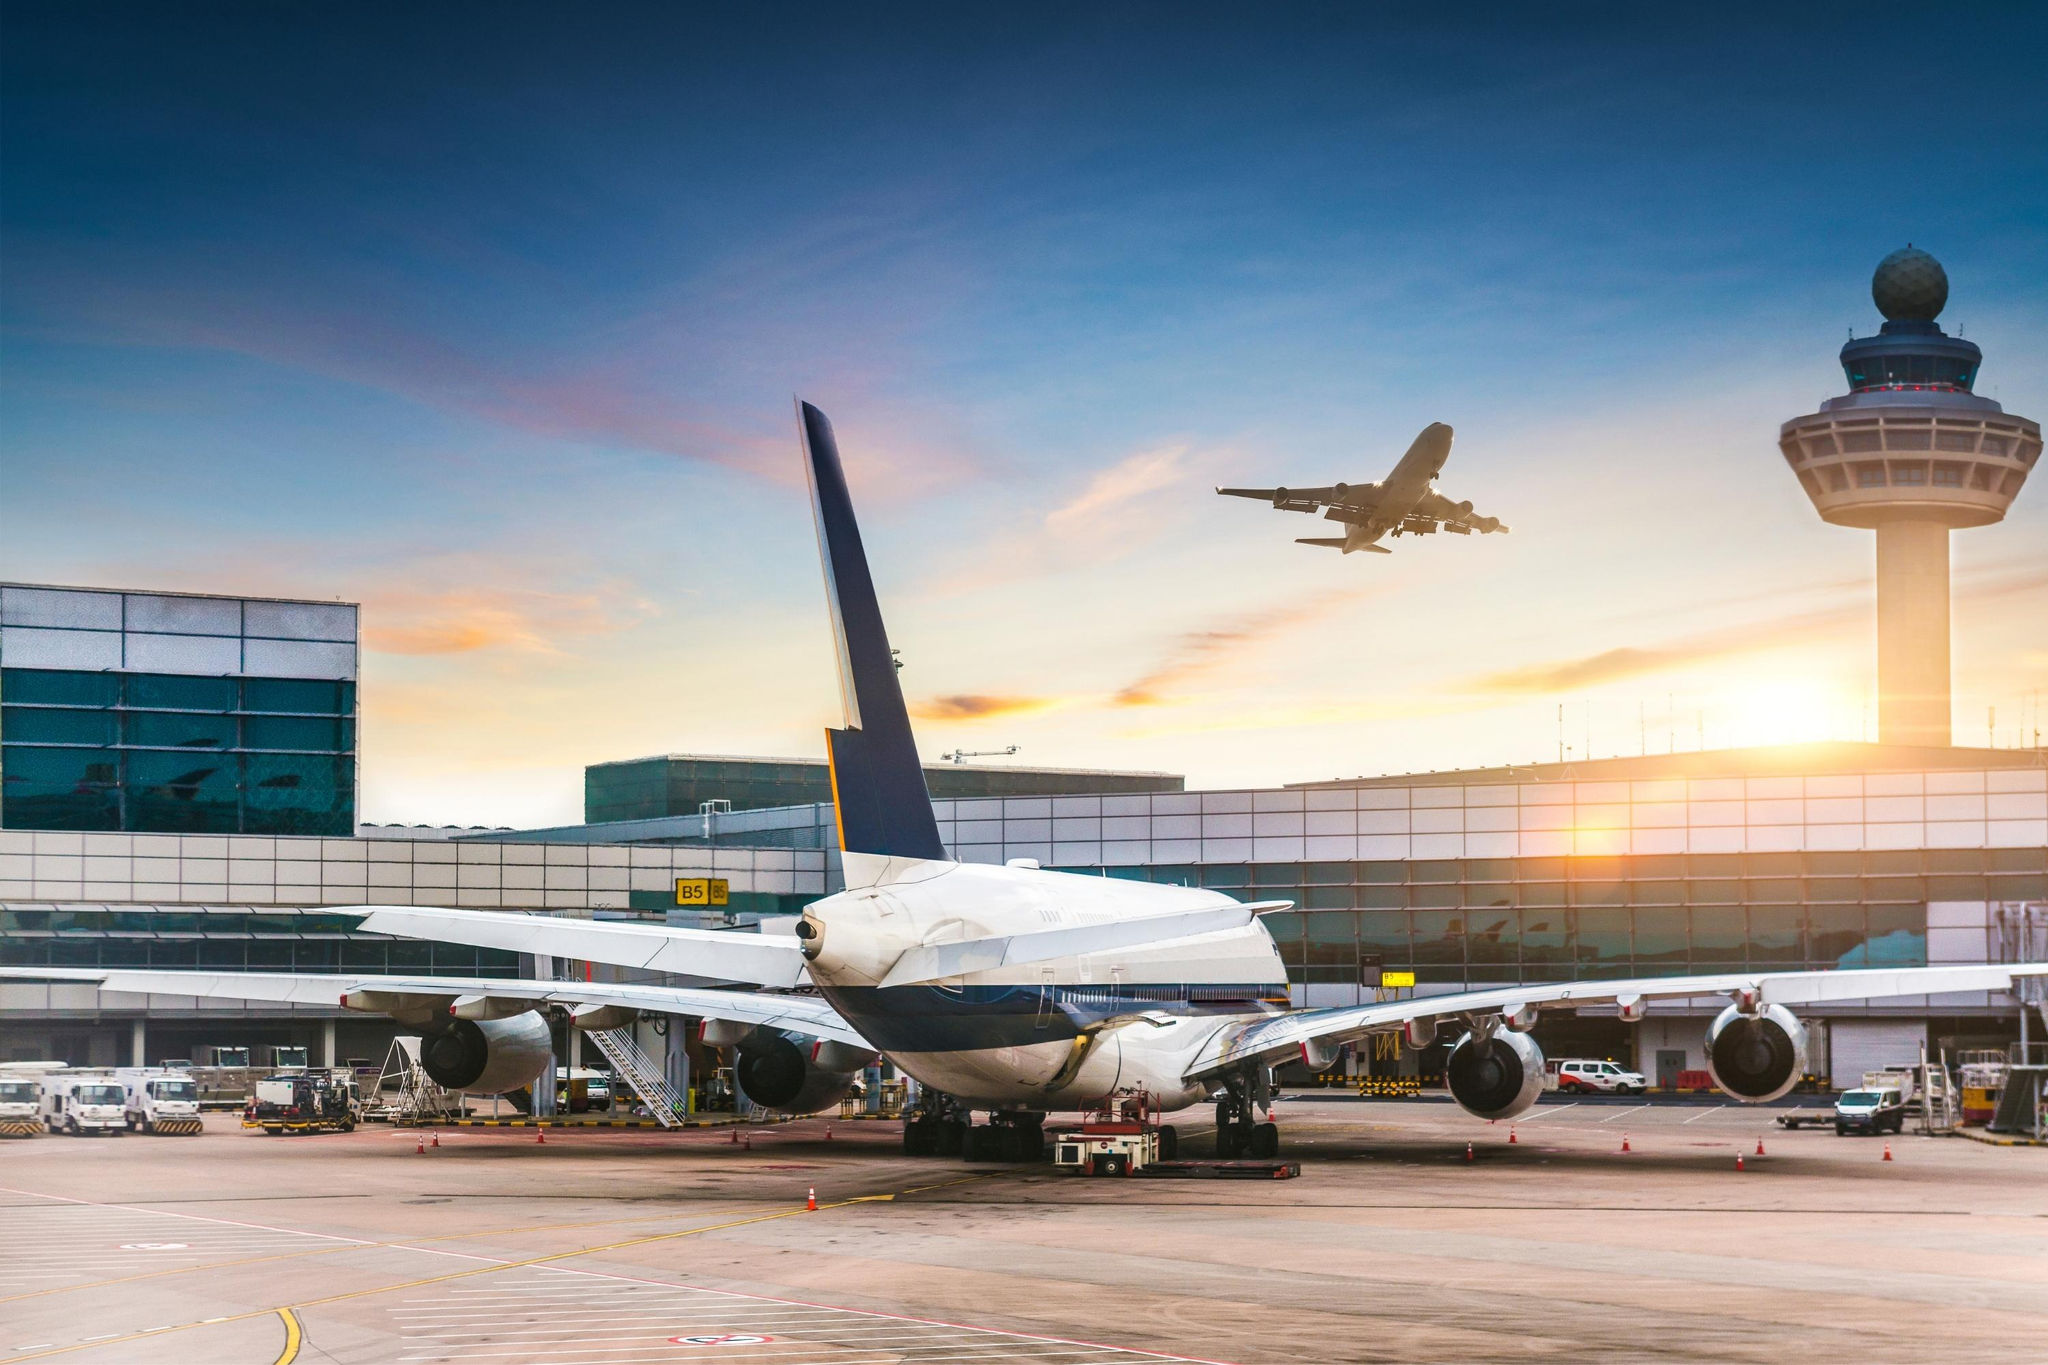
877 782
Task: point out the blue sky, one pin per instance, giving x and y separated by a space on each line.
490 318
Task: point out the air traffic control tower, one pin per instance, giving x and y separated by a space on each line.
1911 453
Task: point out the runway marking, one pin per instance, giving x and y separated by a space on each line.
1709 1114
1546 1113
1623 1113
293 1338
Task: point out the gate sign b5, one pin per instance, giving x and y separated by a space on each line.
701 891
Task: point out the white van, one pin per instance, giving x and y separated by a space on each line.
160 1101
81 1102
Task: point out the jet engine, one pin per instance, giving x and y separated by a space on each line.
1756 1057
1465 508
1499 1078
488 1056
794 1073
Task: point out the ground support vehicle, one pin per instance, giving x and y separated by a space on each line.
1871 1110
1119 1140
21 1099
305 1102
1579 1076
76 1103
161 1101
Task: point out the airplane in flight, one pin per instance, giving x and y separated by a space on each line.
1402 504
1007 991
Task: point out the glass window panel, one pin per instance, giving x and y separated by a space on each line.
295 732
270 952
1892 860
181 693
1383 874
1326 898
175 952
1436 870
1699 865
1604 937
1437 897
1384 934
1600 893
1956 888
1834 889
497 962
59 789
1543 869
1440 941
1661 940
40 725
2016 859
223 952
124 952
1720 933
1383 897
1597 869
1490 869
1897 935
1286 929
2009 886
1775 937
1226 874
1648 865
1895 888
1489 895
454 957
1543 894
1276 874
363 954
1834 864
292 694
1332 953
1771 864
1771 890
410 954
316 955
1493 935
60 687
1955 859
1547 944
1327 874
299 794
1835 935
180 730
1174 874
75 952
181 792
1657 892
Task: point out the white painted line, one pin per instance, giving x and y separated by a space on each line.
1709 1114
1624 1113
1546 1113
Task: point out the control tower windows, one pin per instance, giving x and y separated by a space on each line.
1948 475
1982 476
1870 475
1909 474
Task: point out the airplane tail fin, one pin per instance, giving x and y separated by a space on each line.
878 790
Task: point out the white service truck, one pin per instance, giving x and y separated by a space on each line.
159 1100
21 1104
79 1102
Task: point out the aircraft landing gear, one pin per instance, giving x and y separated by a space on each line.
1238 1131
1015 1136
942 1126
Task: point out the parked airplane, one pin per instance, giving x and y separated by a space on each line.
1403 503
1016 991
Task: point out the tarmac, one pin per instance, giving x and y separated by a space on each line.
603 1246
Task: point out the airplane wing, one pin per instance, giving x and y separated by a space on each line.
1284 1037
763 959
385 994
1357 496
1456 517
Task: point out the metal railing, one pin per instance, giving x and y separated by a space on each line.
641 1072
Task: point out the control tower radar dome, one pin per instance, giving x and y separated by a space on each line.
1909 286
1911 452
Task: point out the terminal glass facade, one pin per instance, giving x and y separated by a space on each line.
236 938
172 753
1481 921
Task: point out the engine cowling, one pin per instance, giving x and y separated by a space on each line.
1756 1057
792 1073
488 1056
1500 1078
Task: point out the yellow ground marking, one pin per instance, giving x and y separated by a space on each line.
293 1338
491 1269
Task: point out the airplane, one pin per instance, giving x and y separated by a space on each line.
1403 503
1013 991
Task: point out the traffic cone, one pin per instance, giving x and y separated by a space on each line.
811 1200
735 1135
437 1139
419 1146
543 1138
1624 1142
1887 1151
1512 1140
1759 1146
1738 1161
750 1142
828 1132
1468 1151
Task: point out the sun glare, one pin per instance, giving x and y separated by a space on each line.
1784 711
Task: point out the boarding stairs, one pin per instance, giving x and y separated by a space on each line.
419 1098
641 1072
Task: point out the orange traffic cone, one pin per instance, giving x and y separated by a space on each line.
1468 1151
811 1200
437 1139
1624 1142
1759 1146
1738 1161
828 1132
420 1146
1511 1135
750 1142
735 1135
1887 1151
543 1138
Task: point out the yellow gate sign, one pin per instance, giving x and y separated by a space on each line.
702 891
1389 979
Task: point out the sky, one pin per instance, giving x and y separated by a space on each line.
490 317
